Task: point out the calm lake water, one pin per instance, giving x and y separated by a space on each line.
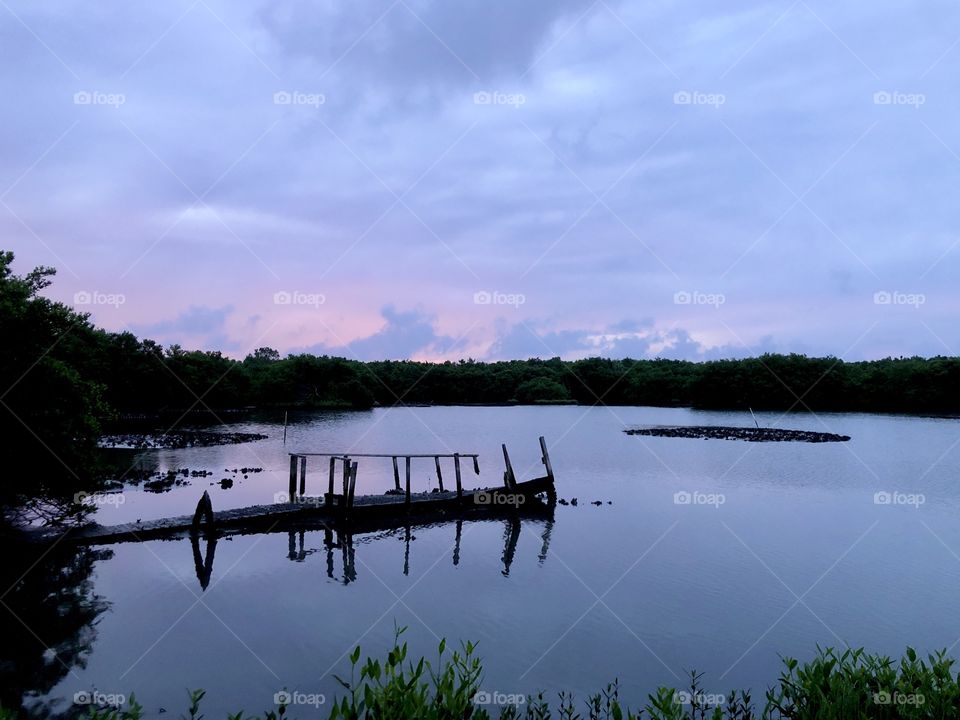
782 547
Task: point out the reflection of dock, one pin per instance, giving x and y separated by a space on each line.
397 508
340 546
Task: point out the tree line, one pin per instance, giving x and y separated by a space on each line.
64 379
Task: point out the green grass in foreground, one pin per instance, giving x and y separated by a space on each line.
834 685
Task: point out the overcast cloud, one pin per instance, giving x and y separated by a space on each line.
491 179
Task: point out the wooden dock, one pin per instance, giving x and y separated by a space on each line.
397 508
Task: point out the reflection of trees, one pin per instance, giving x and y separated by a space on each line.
48 621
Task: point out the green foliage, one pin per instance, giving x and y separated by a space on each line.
392 690
854 684
851 685
50 407
542 390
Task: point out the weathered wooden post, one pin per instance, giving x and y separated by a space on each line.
303 475
546 458
456 470
406 497
204 511
509 479
436 460
353 481
333 467
476 465
346 478
292 490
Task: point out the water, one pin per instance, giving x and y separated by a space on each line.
781 547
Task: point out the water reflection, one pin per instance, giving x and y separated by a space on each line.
339 546
203 564
48 621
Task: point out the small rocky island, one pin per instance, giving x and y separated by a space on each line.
750 434
176 440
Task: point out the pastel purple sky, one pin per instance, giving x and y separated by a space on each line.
405 178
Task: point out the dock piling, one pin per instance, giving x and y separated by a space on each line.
303 475
204 512
436 459
509 479
456 469
353 483
396 473
546 457
333 468
292 490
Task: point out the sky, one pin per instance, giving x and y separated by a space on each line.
486 179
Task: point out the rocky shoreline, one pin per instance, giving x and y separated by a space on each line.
720 432
176 440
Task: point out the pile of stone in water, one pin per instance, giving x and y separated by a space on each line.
176 440
719 432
